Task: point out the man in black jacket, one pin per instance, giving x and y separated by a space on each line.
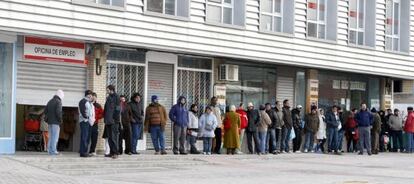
112 119
297 126
136 120
251 130
271 131
287 127
53 114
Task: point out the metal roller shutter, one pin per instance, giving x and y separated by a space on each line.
37 82
285 85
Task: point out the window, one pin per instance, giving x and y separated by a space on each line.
119 3
398 86
322 19
226 11
397 25
169 7
361 23
271 15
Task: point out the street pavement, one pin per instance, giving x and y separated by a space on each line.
301 168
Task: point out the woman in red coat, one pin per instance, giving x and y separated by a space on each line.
351 131
409 130
243 123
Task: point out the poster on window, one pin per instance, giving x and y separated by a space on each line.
314 91
220 93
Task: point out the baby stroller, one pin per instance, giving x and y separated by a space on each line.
33 139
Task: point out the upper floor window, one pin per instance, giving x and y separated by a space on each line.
397 25
226 12
119 3
361 22
321 19
277 15
169 7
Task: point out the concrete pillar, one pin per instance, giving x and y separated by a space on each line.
312 89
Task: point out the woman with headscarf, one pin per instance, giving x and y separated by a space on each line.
232 124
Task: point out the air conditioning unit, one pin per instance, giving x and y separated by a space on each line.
229 72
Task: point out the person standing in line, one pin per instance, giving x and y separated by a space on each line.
341 130
332 122
179 116
384 131
137 122
243 126
93 135
321 134
297 126
375 131
231 130
395 122
351 132
125 130
218 131
262 127
311 128
287 118
155 122
251 132
271 131
364 119
192 129
53 115
409 130
207 124
279 126
112 120
86 120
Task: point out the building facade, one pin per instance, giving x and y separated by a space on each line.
324 52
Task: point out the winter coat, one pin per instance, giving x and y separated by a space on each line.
287 118
395 122
155 115
98 112
136 111
86 111
179 113
376 126
264 122
243 118
209 119
253 119
332 120
112 110
322 128
273 117
364 118
296 119
409 123
192 121
126 114
217 113
279 119
311 123
53 111
231 135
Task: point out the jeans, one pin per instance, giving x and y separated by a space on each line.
207 143
397 140
53 131
217 132
136 134
340 138
85 129
286 139
113 135
192 140
270 140
179 137
364 139
252 136
93 136
332 139
297 141
158 139
309 138
410 142
262 144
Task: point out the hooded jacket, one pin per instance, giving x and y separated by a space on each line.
211 120
155 115
296 119
53 111
376 127
179 113
364 118
137 111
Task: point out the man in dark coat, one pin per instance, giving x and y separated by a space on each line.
287 127
53 117
137 120
112 117
333 121
251 130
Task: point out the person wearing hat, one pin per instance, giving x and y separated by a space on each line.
297 127
86 121
376 129
395 122
409 130
155 122
112 120
364 119
137 120
53 117
311 127
332 123
253 119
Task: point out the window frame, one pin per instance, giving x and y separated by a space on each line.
393 36
100 5
164 15
357 30
273 16
317 22
221 5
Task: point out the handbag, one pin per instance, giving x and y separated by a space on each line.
292 134
226 123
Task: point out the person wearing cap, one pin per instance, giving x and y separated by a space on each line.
395 122
207 124
332 123
288 124
311 127
53 117
364 119
297 127
155 122
262 127
409 130
137 120
251 130
86 121
112 120
375 130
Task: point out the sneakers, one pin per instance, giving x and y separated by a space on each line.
204 153
305 151
209 153
93 154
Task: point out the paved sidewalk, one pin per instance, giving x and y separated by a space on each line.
241 169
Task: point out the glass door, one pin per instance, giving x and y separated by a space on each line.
6 75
